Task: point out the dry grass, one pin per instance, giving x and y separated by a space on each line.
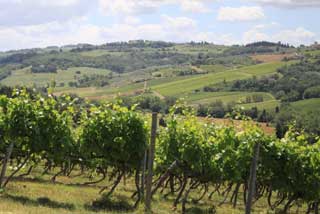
37 195
270 57
238 124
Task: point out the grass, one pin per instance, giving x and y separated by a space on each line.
124 84
181 87
269 105
270 57
178 86
212 68
238 97
26 78
37 195
313 52
262 69
170 71
302 105
195 50
106 92
182 49
97 53
307 105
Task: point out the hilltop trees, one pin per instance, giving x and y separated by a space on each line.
48 68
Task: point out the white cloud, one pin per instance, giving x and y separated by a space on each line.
79 31
53 33
176 29
170 29
240 13
60 3
131 7
289 3
216 38
194 6
178 23
132 20
296 36
124 32
33 12
292 36
254 35
136 7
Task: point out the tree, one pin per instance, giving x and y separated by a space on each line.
312 92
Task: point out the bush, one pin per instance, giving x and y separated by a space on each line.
49 68
312 92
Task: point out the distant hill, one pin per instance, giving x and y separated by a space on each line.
215 79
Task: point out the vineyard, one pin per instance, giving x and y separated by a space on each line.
193 161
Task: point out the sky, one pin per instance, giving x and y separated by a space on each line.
41 23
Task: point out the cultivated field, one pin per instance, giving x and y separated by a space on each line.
307 105
270 57
237 97
24 77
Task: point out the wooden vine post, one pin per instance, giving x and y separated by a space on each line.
252 179
150 162
4 164
143 175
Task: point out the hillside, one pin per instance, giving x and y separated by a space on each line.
213 78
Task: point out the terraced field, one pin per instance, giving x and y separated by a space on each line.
237 97
263 69
189 49
268 105
213 68
97 53
307 105
182 87
163 80
185 86
270 57
26 78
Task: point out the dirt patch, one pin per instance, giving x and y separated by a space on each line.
158 95
266 127
270 57
108 97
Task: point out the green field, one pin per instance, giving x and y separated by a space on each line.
25 77
97 53
213 68
313 52
190 49
170 71
307 105
182 87
169 83
164 79
35 194
262 69
302 105
269 105
226 97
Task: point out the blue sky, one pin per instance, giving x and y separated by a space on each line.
41 23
